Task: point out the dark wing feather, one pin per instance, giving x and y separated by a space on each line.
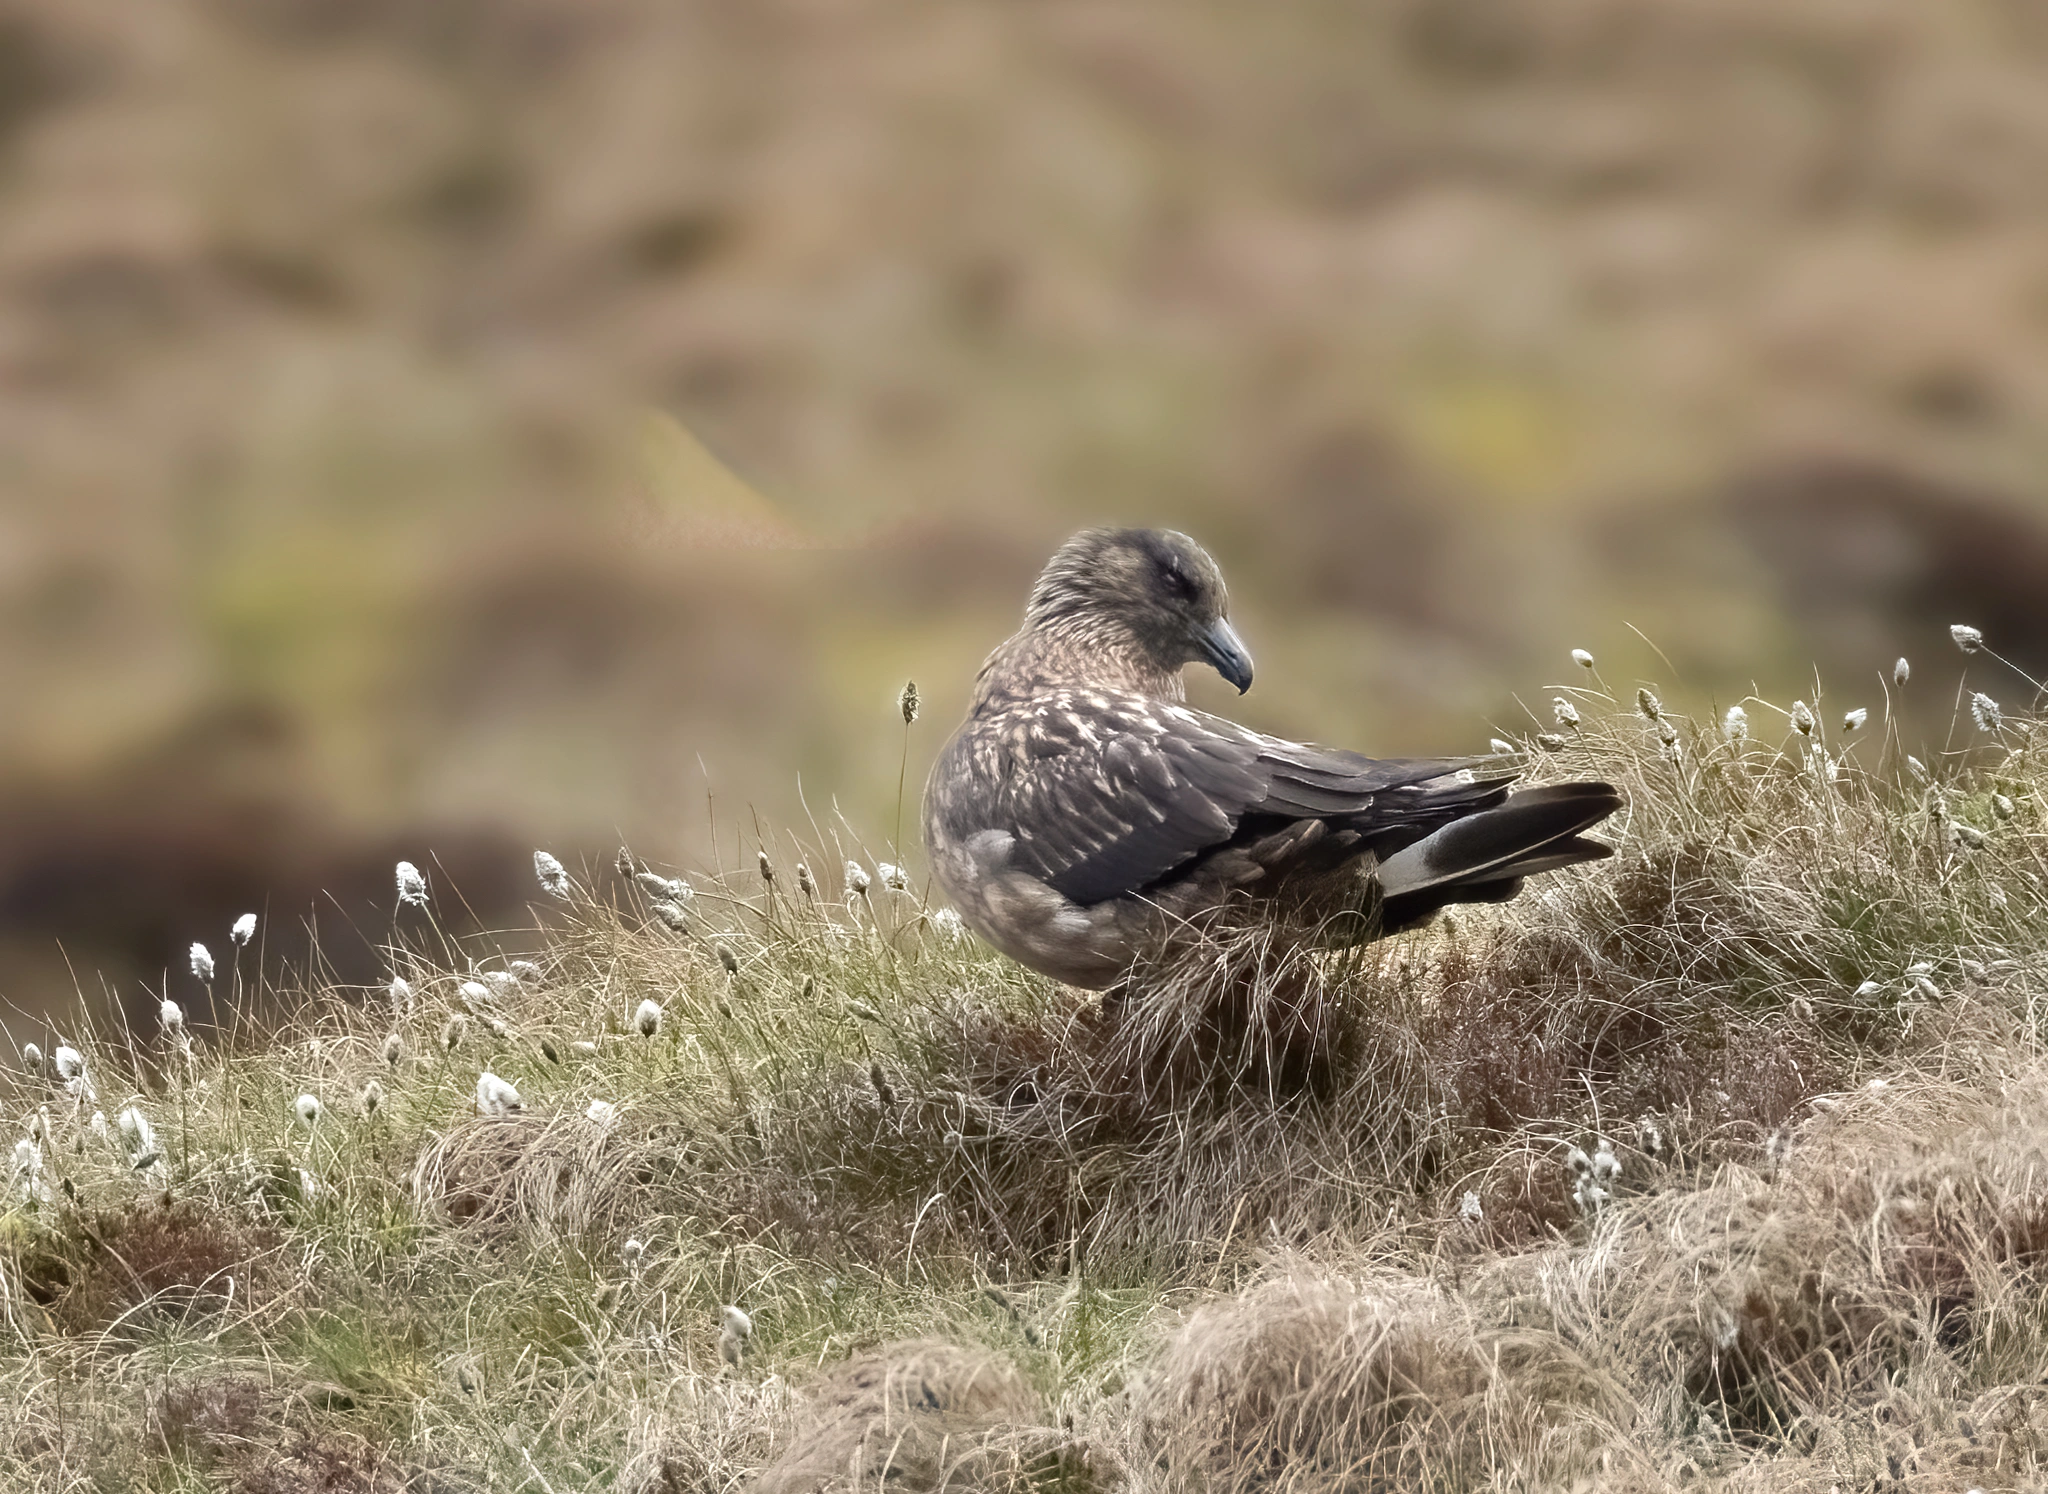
1109 792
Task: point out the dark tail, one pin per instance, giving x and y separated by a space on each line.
1484 856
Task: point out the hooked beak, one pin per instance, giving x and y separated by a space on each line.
1223 648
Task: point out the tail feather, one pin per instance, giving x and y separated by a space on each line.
1536 830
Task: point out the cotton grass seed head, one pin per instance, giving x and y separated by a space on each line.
804 884
764 866
69 1061
1651 707
1550 741
307 1109
907 702
674 889
672 917
525 972
400 992
647 1018
32 1058
202 962
371 1098
1735 725
1470 1208
553 878
495 1096
893 876
1967 638
1969 837
1802 718
1901 672
1564 713
136 1131
2002 806
947 924
1581 658
857 881
1856 719
244 929
412 887
171 1015
394 1049
454 1032
1984 711
473 994
602 1114
1501 748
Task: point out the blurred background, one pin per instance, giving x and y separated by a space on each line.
440 430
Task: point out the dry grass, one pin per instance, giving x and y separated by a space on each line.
1719 1162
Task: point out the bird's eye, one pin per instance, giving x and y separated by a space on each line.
1180 583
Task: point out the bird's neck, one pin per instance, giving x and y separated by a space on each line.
1071 653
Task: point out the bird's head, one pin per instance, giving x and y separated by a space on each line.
1155 587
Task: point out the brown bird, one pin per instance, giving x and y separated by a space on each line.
1085 821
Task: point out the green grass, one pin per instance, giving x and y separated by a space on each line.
989 1238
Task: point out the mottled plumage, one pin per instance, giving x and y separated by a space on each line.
1084 819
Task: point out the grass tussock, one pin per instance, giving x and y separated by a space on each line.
1718 1162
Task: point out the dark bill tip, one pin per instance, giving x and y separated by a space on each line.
1223 648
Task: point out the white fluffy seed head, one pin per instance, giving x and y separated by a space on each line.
735 1321
171 1015
1802 718
804 884
69 1061
1470 1208
647 1017
32 1058
857 881
1648 704
672 888
1735 725
394 1049
244 929
372 1097
474 994
1564 713
553 879
136 1130
453 1034
525 972
947 924
1901 672
1966 638
202 962
602 1113
1581 658
412 887
495 1096
673 917
400 991
764 865
2002 806
1985 712
1500 748
307 1108
893 876
1856 719
633 1254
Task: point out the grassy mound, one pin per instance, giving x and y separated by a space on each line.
1719 1160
